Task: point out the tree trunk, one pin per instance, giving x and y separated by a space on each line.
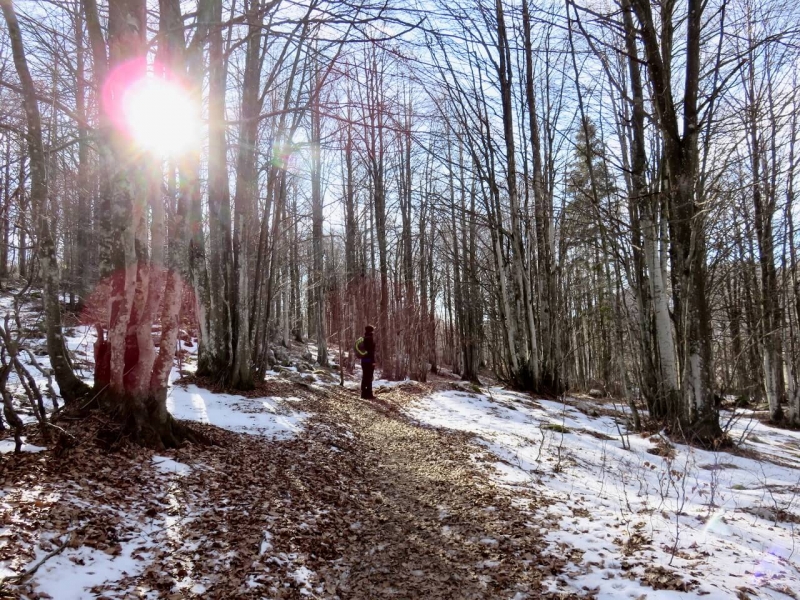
71 387
530 377
6 212
219 351
699 413
318 280
241 376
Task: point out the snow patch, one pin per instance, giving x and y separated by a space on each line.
266 543
303 577
388 384
722 520
301 574
8 445
71 574
256 416
165 464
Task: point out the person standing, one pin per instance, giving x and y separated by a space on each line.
366 351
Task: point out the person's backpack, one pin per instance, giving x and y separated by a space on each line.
361 351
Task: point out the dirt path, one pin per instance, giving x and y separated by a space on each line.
425 523
363 504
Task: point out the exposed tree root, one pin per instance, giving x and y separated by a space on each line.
136 420
149 433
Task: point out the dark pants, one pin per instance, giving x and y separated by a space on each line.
368 369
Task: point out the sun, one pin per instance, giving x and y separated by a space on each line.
161 116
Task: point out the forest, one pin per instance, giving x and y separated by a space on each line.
583 199
571 226
568 197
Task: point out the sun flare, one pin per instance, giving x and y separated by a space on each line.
161 116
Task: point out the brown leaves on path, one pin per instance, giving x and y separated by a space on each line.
363 504
424 522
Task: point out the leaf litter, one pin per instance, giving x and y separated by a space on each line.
362 502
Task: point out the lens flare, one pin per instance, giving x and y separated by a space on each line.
160 116
284 156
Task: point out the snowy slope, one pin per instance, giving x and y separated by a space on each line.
714 524
80 341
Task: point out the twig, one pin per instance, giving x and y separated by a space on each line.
23 577
62 431
48 374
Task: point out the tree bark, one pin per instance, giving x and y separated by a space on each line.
71 387
316 226
241 377
531 377
219 350
686 218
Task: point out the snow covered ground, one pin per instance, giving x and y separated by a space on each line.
635 524
8 445
80 341
272 417
376 384
268 416
636 516
73 572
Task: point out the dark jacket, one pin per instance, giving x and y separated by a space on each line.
369 346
